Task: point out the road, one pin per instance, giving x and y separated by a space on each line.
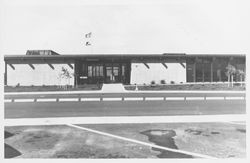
123 108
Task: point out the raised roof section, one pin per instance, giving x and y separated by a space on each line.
41 52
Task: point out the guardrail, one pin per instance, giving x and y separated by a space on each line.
125 97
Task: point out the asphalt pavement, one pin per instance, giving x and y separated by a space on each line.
122 108
123 104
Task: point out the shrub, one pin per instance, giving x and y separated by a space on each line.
172 82
163 81
153 82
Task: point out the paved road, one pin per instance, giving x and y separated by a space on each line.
123 108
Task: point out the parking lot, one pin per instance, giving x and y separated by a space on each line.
152 140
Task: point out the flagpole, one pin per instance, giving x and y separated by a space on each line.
91 45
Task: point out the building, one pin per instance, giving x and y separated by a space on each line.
42 67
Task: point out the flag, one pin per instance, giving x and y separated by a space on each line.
88 35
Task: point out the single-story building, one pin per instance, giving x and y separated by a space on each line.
43 67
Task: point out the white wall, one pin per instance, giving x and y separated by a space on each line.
140 74
41 75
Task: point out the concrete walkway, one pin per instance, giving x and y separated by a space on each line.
126 91
230 118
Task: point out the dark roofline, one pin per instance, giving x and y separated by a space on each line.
124 55
154 58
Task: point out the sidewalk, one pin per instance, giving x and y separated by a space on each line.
125 91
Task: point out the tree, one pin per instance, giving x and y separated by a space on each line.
241 73
231 70
66 75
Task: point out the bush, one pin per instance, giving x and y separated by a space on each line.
163 81
172 82
153 82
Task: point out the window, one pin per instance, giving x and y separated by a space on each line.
101 70
115 71
90 71
95 71
123 70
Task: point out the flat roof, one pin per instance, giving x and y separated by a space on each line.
94 57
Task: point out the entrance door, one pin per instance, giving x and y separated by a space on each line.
112 73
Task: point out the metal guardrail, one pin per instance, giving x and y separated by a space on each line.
126 97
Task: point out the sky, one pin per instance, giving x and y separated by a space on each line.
125 27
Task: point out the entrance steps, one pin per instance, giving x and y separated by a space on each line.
114 87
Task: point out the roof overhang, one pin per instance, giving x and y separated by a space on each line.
136 58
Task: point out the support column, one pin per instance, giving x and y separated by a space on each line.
5 74
212 79
194 72
203 73
128 70
76 74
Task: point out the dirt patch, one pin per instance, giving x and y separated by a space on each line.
200 132
164 138
89 154
67 142
241 130
215 132
41 140
194 132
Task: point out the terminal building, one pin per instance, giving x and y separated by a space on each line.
42 67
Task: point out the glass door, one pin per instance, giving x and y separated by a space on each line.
112 73
109 74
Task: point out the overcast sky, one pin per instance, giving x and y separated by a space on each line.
189 26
